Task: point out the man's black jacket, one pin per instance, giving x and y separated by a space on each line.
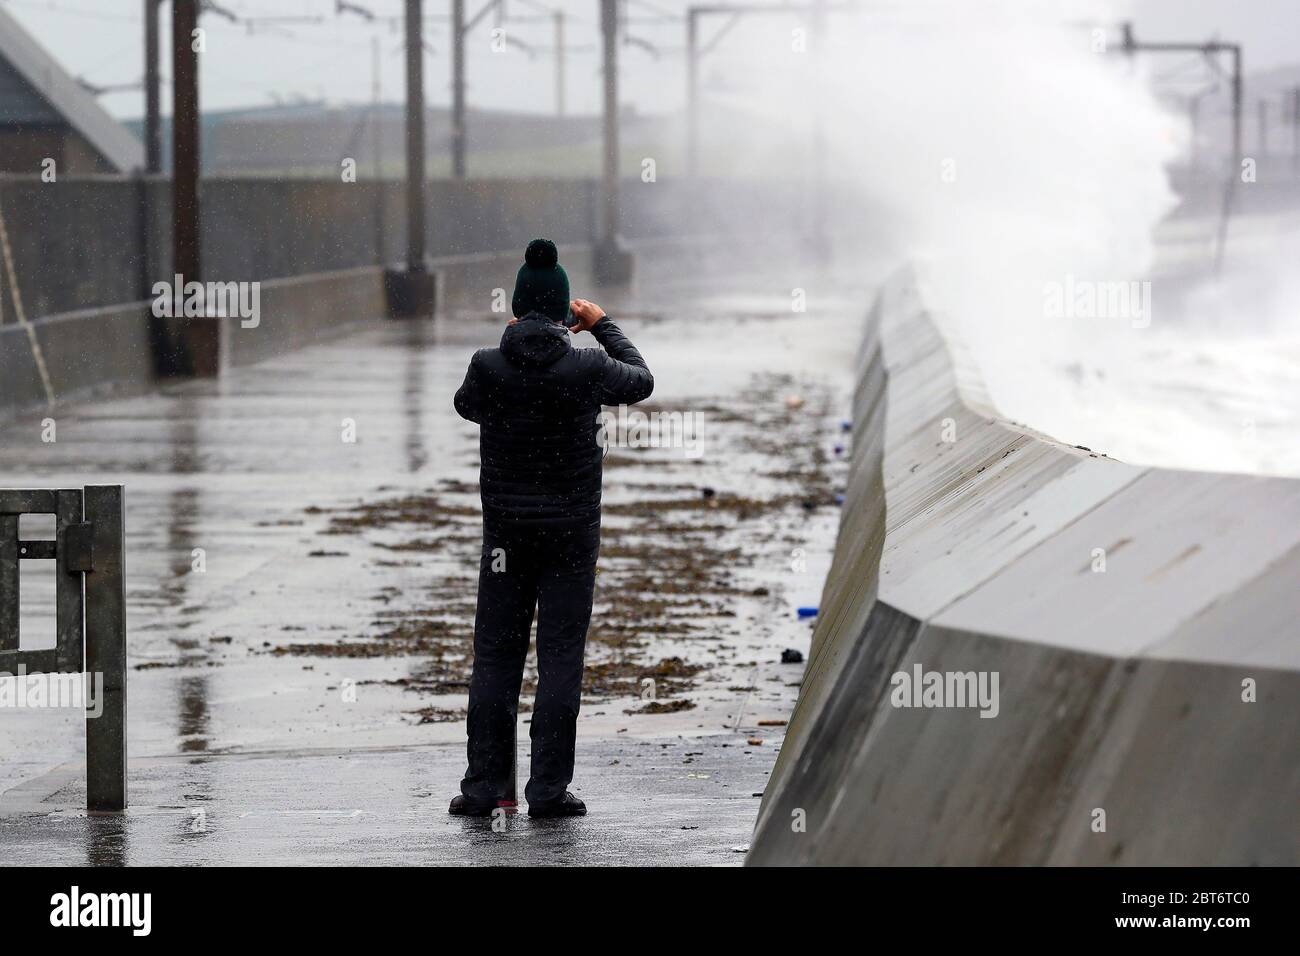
536 399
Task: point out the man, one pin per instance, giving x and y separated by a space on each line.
536 400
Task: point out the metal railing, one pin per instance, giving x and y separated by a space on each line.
89 550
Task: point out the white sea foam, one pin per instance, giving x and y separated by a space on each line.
1000 145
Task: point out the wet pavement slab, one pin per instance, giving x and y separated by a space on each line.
679 801
302 553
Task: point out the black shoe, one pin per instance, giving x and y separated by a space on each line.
462 806
567 806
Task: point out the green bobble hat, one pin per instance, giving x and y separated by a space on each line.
542 285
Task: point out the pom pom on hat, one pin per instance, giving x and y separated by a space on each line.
541 254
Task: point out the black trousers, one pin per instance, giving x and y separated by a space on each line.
553 572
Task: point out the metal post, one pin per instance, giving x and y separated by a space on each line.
414 135
377 102
1234 170
164 351
410 292
202 335
377 143
1233 166
1295 130
559 62
612 263
106 648
70 606
609 36
1263 127
692 92
9 583
819 241
458 88
152 90
1236 110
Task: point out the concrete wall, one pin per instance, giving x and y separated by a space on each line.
96 350
87 252
303 310
83 351
76 243
1119 691
92 242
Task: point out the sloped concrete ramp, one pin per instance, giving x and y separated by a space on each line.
1147 709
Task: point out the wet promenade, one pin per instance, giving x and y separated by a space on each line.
302 541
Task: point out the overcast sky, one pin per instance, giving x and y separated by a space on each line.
318 54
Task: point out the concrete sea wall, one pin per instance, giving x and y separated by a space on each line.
1141 624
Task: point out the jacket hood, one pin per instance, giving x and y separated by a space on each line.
535 341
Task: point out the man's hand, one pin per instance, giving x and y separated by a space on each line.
587 314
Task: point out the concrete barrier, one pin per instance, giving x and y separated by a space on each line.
113 349
92 351
1141 623
83 351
